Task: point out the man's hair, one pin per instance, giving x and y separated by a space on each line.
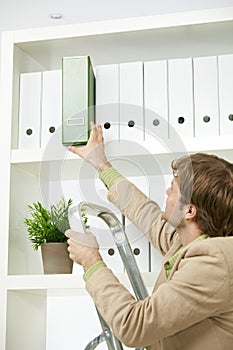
207 182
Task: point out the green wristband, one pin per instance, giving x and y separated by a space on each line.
93 268
109 176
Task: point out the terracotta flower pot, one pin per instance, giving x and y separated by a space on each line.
56 258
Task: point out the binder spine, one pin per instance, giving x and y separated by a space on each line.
78 99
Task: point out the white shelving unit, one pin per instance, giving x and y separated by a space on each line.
27 174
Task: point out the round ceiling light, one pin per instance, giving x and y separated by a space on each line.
56 16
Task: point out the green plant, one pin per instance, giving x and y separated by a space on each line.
45 225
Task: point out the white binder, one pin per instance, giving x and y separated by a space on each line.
107 247
225 68
29 110
107 101
131 101
156 260
206 96
51 121
139 244
156 100
94 191
180 80
158 187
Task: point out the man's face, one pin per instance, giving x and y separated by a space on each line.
173 212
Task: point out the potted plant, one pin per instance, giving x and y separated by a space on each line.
46 230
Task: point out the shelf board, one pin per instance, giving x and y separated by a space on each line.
147 38
128 148
45 282
40 154
63 284
130 158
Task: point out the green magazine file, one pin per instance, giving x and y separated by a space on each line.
78 99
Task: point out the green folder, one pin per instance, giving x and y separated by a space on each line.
78 99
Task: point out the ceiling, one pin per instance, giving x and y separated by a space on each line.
20 14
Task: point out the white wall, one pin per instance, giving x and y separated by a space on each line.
35 14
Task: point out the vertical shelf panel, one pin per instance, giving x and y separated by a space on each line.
25 189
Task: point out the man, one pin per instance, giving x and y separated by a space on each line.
191 307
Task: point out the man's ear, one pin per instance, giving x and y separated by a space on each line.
190 212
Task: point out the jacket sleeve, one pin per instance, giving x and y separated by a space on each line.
144 213
179 303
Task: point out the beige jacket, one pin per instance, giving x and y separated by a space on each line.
192 309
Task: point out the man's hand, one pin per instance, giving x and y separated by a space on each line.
93 152
83 248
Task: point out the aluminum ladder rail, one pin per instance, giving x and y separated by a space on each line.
128 260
